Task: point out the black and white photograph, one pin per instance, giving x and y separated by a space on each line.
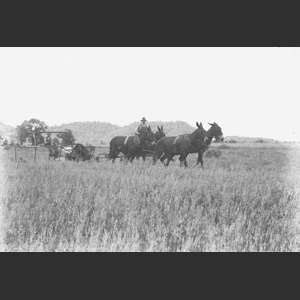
149 149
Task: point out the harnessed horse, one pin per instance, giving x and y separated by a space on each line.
128 144
168 147
214 131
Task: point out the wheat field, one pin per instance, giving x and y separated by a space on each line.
245 199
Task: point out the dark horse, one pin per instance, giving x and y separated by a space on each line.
214 131
132 147
149 146
168 147
80 152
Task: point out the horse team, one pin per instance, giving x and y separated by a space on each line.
155 144
164 147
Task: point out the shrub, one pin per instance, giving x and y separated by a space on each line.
223 146
213 153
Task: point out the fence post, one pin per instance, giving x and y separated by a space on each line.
60 150
15 153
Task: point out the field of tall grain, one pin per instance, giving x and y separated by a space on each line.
247 199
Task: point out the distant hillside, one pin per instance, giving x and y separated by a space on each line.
97 133
88 132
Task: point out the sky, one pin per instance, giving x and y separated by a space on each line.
249 92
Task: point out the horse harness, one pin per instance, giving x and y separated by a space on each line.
126 140
182 139
136 140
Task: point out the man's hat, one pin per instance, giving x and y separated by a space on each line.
48 133
143 119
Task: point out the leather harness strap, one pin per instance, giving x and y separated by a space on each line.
184 138
126 140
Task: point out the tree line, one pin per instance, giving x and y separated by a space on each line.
32 133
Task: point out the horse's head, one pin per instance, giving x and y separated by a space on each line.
216 132
160 133
201 133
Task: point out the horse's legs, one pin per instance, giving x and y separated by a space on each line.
162 158
157 154
141 155
127 157
185 163
170 157
115 153
131 157
124 157
200 159
182 159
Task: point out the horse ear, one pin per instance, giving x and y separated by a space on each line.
197 124
211 124
158 128
161 128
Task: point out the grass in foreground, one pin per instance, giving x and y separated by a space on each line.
245 200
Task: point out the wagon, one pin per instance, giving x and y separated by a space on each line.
81 153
